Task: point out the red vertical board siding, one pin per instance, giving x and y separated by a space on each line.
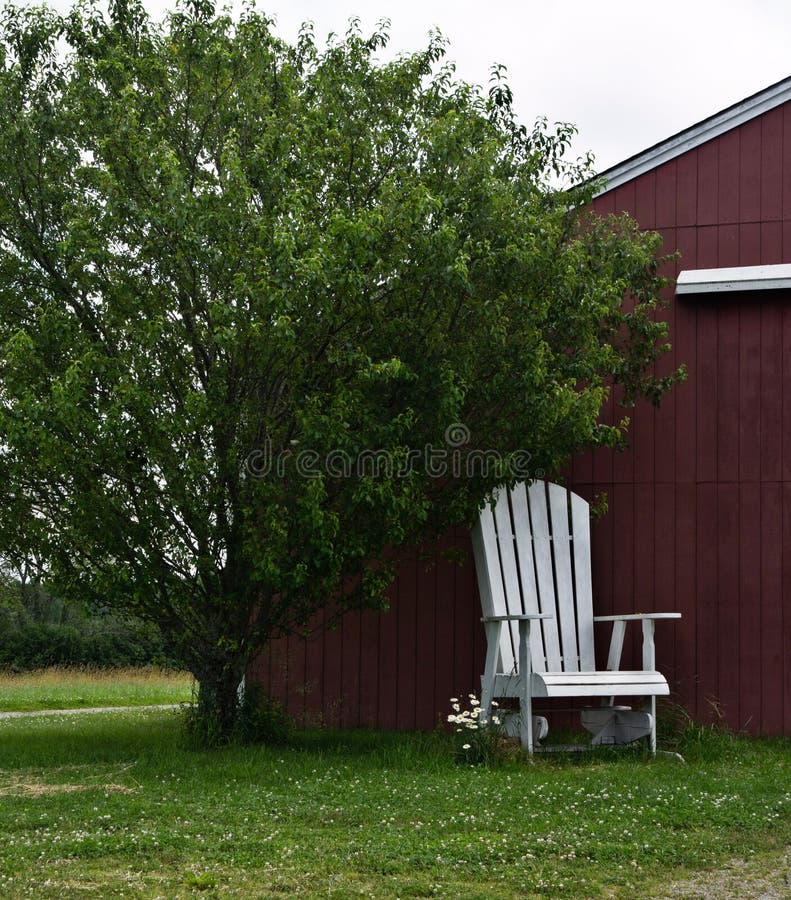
645 200
688 597
771 243
687 246
425 700
785 690
331 675
314 667
707 391
407 659
785 449
623 463
708 184
664 418
685 341
295 688
643 441
726 692
750 244
728 387
728 246
748 413
750 172
388 663
582 468
278 670
706 605
662 508
445 585
603 457
369 668
467 621
687 189
625 198
786 176
728 179
605 204
772 166
708 247
259 669
623 588
749 649
700 507
770 663
771 399
350 671
666 195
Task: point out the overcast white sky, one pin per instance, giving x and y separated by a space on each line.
628 73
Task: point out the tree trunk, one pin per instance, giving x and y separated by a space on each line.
218 701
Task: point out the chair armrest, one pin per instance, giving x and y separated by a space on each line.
521 617
634 617
619 630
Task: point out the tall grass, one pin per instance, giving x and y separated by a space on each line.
74 688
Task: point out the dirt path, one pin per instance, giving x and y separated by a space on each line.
92 709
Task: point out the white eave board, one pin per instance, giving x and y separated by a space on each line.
737 278
693 137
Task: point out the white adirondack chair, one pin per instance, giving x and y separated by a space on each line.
532 557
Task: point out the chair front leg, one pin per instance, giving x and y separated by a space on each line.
649 664
490 668
650 708
525 689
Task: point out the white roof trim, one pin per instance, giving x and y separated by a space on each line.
739 278
707 130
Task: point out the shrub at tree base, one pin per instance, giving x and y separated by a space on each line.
259 720
267 310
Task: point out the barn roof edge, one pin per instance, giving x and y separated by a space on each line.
706 130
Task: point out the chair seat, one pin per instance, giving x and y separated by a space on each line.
588 684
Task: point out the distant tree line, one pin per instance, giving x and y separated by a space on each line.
38 630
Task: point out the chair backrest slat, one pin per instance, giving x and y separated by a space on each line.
490 582
532 554
523 536
561 552
583 589
505 542
537 497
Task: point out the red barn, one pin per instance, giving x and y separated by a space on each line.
699 514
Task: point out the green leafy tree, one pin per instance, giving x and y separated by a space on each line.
229 266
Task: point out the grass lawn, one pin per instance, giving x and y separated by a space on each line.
57 688
115 805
